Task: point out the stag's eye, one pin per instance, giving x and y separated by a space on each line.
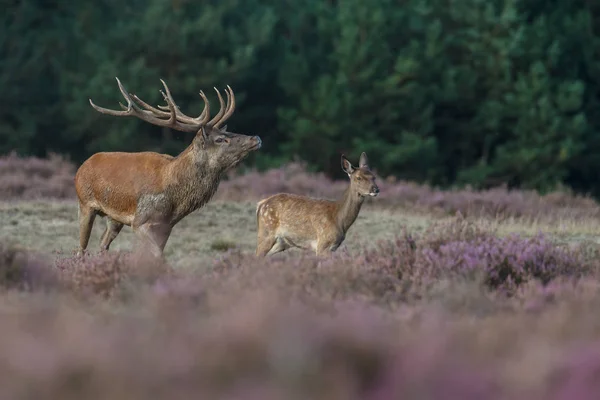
220 140
358 178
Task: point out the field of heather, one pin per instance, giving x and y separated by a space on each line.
434 294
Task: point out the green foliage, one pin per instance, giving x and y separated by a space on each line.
471 92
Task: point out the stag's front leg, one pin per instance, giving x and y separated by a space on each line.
86 222
151 222
155 235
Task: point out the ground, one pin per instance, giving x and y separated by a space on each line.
51 226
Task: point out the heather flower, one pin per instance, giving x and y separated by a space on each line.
27 178
25 270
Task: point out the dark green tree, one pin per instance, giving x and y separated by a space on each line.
191 48
479 92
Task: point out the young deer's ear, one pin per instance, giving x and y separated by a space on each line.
203 137
364 161
347 166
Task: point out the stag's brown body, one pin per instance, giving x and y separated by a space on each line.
152 192
287 220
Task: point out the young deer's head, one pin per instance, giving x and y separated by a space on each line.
362 180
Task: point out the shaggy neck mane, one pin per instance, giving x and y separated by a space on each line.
192 181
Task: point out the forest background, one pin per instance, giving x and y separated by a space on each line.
443 92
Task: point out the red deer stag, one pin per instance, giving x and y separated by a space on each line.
287 220
152 192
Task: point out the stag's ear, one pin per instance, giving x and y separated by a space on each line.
364 161
224 129
347 166
203 136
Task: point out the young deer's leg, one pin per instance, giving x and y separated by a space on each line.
326 246
86 222
155 234
265 238
112 230
278 247
322 251
264 245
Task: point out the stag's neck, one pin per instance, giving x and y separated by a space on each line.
193 182
348 208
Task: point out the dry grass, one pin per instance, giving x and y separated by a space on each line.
52 227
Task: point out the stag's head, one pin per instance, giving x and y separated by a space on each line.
224 149
362 180
213 143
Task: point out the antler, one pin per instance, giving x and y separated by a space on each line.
225 111
229 109
170 115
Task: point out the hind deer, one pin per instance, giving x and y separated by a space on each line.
152 192
287 220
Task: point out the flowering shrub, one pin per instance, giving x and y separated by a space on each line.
460 249
507 262
33 178
28 178
390 272
498 202
453 312
365 325
103 274
24 270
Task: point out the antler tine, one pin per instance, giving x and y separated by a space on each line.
222 107
162 113
180 116
205 116
228 100
223 110
150 114
126 110
230 108
170 102
167 95
200 120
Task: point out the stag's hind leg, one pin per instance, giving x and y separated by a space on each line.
86 222
113 228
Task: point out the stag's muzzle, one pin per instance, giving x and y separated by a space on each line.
257 141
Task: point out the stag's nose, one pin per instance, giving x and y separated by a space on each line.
374 191
258 141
